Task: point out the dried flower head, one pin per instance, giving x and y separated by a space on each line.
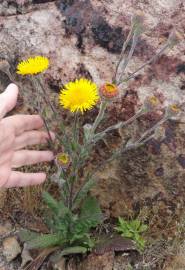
138 17
63 160
138 21
173 110
109 91
174 38
33 65
80 95
151 103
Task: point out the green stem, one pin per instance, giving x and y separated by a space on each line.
134 74
75 160
41 82
98 119
122 52
118 125
127 147
37 86
146 133
128 58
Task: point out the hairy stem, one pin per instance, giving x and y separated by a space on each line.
122 53
147 132
37 86
128 58
42 86
75 161
142 140
99 117
118 125
134 74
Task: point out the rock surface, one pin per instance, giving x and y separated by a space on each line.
94 262
11 248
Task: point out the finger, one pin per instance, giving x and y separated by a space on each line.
32 137
7 138
8 99
23 123
19 179
5 171
29 157
6 157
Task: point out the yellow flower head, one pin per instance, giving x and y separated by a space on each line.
153 100
80 95
151 103
175 108
33 65
63 160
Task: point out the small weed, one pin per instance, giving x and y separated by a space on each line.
133 230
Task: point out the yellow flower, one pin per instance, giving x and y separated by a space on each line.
153 100
151 103
80 95
63 160
33 65
175 108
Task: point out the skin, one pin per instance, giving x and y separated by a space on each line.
16 134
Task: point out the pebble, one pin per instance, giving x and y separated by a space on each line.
11 248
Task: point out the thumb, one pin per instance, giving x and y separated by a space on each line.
8 99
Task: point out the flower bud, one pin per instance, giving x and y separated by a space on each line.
173 110
159 133
138 21
109 91
87 131
151 103
63 160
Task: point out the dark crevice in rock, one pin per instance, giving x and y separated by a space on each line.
181 68
64 4
83 20
181 160
108 37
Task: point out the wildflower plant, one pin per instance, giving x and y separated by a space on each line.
76 213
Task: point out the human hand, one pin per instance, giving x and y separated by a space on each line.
16 133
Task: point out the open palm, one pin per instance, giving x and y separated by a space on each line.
16 133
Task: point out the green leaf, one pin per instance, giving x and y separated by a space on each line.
67 251
51 202
127 234
74 250
91 211
44 241
135 224
143 228
57 207
83 192
26 235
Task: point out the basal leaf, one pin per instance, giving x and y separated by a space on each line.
26 235
83 192
74 250
44 241
91 211
57 207
51 202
